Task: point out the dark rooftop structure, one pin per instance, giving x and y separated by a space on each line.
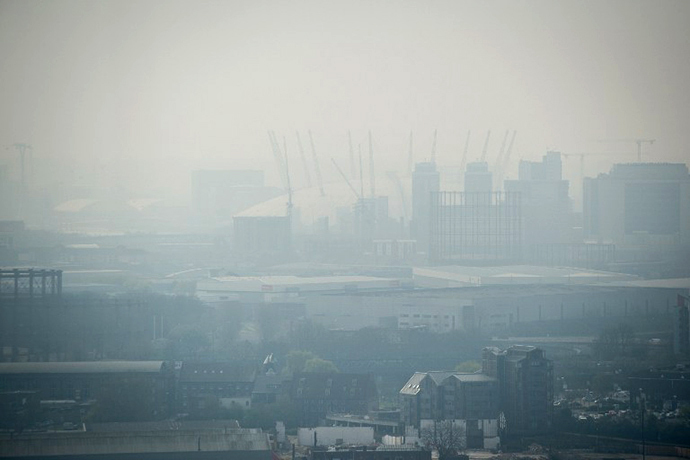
319 394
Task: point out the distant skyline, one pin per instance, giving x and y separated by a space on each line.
141 93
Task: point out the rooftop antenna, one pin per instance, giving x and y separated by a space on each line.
304 159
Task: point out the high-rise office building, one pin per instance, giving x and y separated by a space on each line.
425 180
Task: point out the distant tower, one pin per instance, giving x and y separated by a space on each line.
478 178
425 179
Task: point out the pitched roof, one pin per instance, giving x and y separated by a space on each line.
83 367
166 425
412 387
216 372
328 385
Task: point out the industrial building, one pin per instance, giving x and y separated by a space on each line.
525 379
87 380
204 384
470 400
319 394
131 440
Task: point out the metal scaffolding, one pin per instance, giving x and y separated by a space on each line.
477 227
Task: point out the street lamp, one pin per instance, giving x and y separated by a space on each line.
643 410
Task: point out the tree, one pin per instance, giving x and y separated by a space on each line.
445 437
319 365
468 366
297 359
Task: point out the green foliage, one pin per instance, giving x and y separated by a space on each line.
306 361
319 365
468 366
297 359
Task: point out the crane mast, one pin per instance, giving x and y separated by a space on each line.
372 174
316 165
486 146
304 159
433 149
463 163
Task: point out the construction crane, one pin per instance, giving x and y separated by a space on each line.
361 170
316 165
410 157
372 175
21 149
280 160
289 187
500 171
304 159
353 168
349 184
392 175
639 143
433 149
582 155
499 158
463 163
486 146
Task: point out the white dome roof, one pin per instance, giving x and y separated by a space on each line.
310 205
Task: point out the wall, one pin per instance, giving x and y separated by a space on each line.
330 435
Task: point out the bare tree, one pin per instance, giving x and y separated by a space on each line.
445 437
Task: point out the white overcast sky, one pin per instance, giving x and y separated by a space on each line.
143 92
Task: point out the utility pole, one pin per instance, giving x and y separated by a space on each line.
643 410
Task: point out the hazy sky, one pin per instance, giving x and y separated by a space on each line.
145 91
